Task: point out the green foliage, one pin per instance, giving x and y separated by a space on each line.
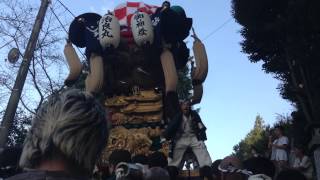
256 137
284 121
284 36
277 31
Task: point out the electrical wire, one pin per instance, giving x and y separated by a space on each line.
64 27
204 39
217 29
66 8
58 20
9 42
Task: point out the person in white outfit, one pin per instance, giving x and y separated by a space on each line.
302 162
279 147
188 131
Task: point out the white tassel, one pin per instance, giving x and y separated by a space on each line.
94 80
74 63
201 58
169 70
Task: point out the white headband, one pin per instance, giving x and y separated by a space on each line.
232 169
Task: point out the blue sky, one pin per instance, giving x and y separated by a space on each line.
235 90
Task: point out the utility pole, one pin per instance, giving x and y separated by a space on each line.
10 112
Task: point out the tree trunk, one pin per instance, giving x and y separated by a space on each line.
295 83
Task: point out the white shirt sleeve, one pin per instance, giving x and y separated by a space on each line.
283 140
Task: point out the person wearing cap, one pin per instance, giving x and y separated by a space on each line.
189 132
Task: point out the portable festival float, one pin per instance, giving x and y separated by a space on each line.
133 55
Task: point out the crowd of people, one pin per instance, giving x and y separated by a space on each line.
70 131
282 164
256 168
283 160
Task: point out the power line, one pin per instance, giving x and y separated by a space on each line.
66 8
58 20
64 27
218 28
61 24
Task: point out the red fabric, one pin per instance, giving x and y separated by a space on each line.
129 20
127 34
124 13
120 13
133 4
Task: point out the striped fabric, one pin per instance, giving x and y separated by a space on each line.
125 11
231 169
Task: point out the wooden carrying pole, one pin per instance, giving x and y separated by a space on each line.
10 112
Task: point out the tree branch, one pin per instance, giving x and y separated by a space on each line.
45 71
35 83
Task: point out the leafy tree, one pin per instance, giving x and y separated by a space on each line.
258 137
18 131
47 68
284 35
255 138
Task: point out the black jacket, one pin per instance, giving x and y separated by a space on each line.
174 127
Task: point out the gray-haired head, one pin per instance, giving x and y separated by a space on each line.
71 126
